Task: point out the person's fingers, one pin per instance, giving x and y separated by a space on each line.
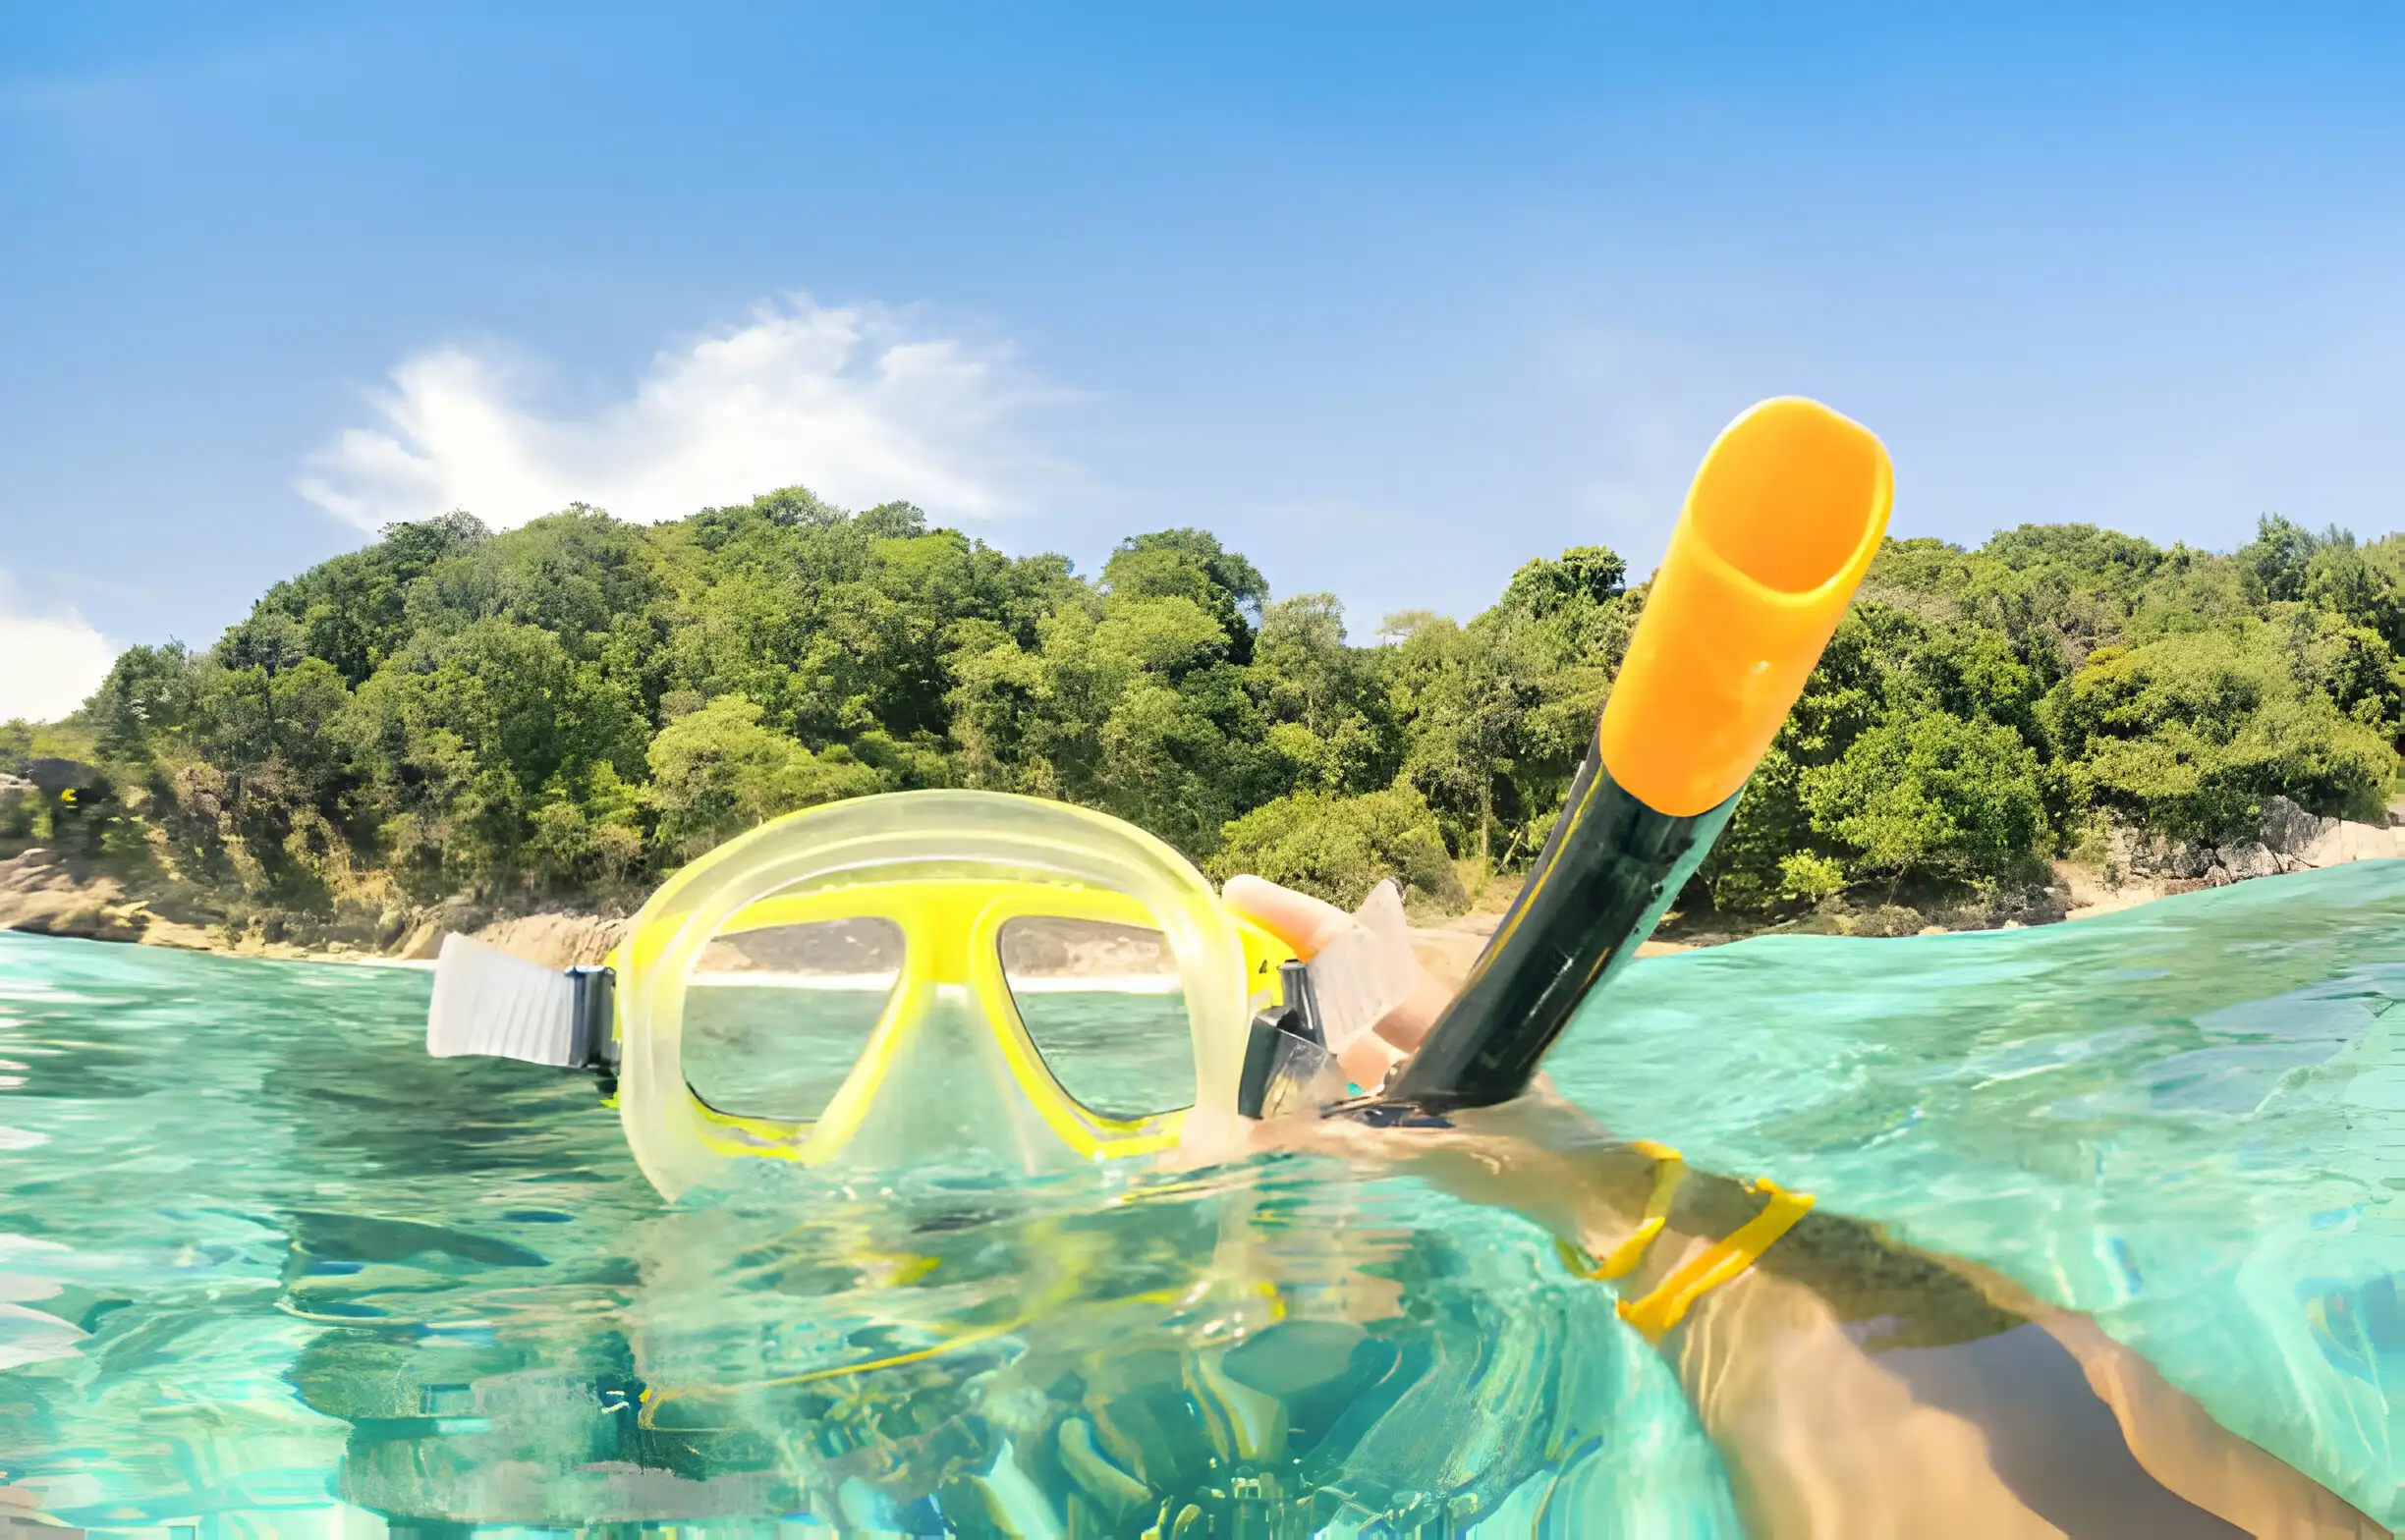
1308 924
1407 1023
1300 920
1370 1057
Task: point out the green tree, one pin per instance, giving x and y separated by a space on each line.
352 611
579 703
1931 797
2188 735
717 772
1189 564
2273 566
148 696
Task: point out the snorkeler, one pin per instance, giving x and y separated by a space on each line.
1855 1386
1780 523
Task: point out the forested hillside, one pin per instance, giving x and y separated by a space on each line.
567 710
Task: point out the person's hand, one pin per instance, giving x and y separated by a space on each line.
1308 924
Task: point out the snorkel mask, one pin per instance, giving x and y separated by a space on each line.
891 975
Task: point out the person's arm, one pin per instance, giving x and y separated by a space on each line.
1854 1386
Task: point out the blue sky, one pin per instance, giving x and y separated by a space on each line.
1392 299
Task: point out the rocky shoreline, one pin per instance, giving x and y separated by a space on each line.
44 891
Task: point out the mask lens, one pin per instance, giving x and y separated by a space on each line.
1103 1005
775 1017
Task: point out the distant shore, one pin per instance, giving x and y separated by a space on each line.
45 892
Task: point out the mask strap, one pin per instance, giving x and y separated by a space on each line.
492 1005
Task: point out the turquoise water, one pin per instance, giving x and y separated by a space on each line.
265 1269
2187 1119
269 1270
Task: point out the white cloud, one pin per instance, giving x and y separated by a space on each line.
48 663
847 400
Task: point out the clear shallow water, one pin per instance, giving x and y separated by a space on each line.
783 1052
265 1269
2187 1119
269 1270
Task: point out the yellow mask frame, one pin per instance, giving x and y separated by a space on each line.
948 869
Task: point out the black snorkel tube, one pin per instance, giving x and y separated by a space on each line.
1779 527
1608 871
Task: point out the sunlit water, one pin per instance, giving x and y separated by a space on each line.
267 1269
2187 1119
277 1272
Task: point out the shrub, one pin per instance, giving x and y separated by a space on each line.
1339 847
2188 735
1932 796
1810 877
717 771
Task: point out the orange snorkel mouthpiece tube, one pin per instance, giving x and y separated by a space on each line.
1779 527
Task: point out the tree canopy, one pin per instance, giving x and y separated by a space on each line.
578 705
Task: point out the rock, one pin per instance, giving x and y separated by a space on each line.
2248 858
861 945
2288 830
1889 919
2086 891
2349 841
2309 840
2289 839
424 938
41 893
2136 853
2140 867
1032 947
555 940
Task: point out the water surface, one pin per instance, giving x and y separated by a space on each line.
265 1269
270 1270
2183 1119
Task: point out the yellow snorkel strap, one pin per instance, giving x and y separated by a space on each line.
1662 1307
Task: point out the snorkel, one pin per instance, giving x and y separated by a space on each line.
1779 525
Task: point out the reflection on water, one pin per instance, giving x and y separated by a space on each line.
272 1271
267 1269
2182 1119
